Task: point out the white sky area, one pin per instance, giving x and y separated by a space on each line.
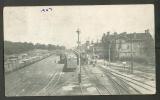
29 24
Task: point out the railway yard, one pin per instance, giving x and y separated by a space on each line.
79 50
46 78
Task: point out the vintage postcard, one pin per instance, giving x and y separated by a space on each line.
79 50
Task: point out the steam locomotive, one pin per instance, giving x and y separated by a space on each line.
71 61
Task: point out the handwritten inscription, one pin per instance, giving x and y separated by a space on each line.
46 9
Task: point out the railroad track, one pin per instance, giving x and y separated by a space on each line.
101 89
120 68
128 77
119 89
52 89
51 84
129 86
120 86
132 79
125 79
60 84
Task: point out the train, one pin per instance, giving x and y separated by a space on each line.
71 61
62 58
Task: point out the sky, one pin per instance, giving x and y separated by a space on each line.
59 24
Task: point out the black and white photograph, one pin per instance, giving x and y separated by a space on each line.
79 50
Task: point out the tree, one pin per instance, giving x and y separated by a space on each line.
19 47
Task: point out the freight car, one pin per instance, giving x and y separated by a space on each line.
62 59
70 62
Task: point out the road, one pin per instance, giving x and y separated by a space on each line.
45 78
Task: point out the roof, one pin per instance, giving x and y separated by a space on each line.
128 37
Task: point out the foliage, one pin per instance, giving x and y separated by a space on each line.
19 47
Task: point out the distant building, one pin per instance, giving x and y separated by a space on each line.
92 49
98 50
120 45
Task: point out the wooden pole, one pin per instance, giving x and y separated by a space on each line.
131 55
79 60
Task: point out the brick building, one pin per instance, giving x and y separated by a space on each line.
123 45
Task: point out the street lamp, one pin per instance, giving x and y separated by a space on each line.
79 60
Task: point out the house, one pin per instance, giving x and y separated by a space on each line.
138 45
127 45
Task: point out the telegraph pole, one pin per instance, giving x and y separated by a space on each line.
131 55
109 53
79 62
93 53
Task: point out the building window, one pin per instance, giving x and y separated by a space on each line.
127 46
120 44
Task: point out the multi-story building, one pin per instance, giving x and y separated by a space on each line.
127 45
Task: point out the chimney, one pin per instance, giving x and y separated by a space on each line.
108 33
125 32
147 31
115 33
87 43
134 35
